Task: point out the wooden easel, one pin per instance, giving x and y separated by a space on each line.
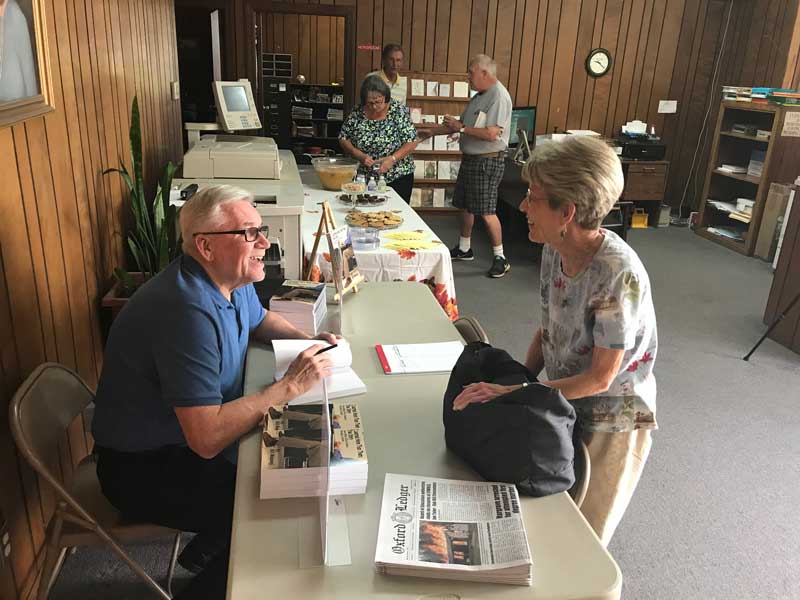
350 278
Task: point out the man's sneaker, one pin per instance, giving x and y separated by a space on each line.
499 268
458 254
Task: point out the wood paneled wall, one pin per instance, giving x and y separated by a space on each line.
315 42
63 224
661 49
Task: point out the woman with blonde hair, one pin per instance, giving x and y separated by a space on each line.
597 340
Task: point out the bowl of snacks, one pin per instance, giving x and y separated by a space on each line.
335 171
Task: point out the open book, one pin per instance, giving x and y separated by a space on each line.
343 381
449 529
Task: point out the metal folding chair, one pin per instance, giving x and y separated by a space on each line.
39 414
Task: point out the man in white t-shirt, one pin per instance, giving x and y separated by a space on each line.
17 66
392 61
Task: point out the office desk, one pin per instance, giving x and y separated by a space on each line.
431 267
275 542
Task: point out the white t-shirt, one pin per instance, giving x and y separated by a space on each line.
17 67
608 305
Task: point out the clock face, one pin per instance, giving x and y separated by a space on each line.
598 63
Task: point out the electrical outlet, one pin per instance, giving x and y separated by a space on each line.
176 90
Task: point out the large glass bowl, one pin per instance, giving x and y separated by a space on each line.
334 171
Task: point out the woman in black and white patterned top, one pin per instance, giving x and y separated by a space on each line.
380 135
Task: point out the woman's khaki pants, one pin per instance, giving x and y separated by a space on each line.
617 462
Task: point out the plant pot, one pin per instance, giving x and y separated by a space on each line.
115 298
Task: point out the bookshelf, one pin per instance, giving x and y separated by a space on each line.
735 145
312 121
436 192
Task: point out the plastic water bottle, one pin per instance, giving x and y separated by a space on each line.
382 184
371 185
360 179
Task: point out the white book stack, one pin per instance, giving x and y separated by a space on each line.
302 303
293 443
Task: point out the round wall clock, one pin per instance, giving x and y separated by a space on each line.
598 63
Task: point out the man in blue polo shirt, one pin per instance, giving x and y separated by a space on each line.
170 406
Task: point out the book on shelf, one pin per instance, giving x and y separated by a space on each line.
756 165
449 194
302 303
727 233
735 169
419 169
426 144
453 143
429 119
444 90
450 529
416 197
432 88
745 205
438 198
720 205
426 198
443 169
419 358
440 143
343 380
460 89
417 87
455 166
306 452
431 169
740 216
335 114
416 115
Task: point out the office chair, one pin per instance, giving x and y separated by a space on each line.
470 330
583 471
40 412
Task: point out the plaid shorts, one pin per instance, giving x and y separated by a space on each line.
477 183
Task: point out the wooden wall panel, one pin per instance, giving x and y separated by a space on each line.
63 225
661 50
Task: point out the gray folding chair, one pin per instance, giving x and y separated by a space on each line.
471 330
39 414
583 471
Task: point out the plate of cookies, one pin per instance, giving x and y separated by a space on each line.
362 199
381 219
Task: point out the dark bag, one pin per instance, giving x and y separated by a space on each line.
524 437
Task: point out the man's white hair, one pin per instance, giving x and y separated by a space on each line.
485 63
203 211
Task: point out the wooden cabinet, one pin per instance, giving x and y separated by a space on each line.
745 132
645 180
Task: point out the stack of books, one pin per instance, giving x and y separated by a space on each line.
302 303
294 448
784 96
302 112
335 114
760 95
734 169
736 93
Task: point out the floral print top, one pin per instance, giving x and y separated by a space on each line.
607 305
382 137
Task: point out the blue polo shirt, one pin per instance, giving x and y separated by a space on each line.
177 342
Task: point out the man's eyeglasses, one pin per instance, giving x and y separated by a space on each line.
250 234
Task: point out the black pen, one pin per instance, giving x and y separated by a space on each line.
331 347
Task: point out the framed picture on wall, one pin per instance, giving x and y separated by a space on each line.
25 87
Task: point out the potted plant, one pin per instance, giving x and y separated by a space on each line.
152 240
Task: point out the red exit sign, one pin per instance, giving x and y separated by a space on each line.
370 47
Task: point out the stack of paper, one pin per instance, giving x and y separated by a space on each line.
302 303
342 381
756 165
419 358
293 464
736 169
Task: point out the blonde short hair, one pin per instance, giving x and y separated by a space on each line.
485 62
203 211
582 170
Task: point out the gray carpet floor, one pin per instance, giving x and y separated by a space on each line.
715 514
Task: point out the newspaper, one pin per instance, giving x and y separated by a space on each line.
444 528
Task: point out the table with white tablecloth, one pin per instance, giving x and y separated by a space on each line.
431 267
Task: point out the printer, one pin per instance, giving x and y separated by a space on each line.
232 157
640 146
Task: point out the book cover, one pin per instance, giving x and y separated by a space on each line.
433 88
440 143
431 170
416 115
417 87
444 90
438 197
419 169
460 89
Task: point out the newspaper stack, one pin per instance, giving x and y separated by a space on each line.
293 446
302 303
449 529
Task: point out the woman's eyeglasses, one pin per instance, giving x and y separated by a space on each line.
250 233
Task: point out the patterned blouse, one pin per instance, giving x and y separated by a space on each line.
607 305
379 138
